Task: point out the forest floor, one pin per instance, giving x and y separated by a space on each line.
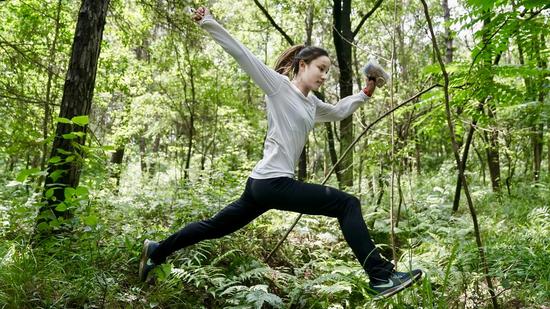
95 266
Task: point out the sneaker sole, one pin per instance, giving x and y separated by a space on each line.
398 288
143 258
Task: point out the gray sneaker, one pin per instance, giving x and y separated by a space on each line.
145 263
397 282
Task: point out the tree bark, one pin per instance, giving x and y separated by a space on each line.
539 127
302 164
492 146
48 100
142 155
332 148
342 36
448 33
77 101
469 139
492 152
116 160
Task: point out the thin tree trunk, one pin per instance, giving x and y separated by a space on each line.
481 164
417 154
332 148
511 163
539 127
153 166
448 35
492 151
342 36
116 160
302 164
473 214
492 146
400 202
143 155
48 101
469 139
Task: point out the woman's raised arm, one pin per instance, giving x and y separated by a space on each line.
266 78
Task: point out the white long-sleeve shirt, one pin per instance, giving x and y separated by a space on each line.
290 114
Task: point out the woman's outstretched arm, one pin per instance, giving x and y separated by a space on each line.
266 78
325 112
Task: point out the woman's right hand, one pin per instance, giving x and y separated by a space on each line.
370 87
200 13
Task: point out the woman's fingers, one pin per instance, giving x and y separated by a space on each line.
200 13
371 86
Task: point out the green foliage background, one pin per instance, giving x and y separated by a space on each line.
165 92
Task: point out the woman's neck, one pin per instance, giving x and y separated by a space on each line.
303 89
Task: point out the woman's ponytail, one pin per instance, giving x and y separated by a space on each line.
285 63
288 62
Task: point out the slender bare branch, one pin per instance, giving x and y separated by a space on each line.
366 16
273 23
327 177
459 164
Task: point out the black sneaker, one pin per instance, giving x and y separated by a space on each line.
145 263
395 283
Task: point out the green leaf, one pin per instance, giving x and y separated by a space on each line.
79 133
91 220
82 191
55 223
69 136
43 226
70 158
61 207
69 193
24 174
54 159
80 120
56 174
65 152
49 193
63 120
483 4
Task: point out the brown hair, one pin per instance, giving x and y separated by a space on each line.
288 62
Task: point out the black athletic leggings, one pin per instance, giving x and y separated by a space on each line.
283 193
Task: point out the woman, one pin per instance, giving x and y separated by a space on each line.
292 110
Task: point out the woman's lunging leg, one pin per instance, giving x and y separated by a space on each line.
288 194
357 235
228 220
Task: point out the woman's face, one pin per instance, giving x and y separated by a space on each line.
312 75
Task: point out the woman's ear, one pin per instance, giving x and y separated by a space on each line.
301 65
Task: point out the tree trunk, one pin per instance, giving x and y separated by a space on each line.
469 139
539 127
417 155
302 164
342 36
493 157
76 101
116 160
153 166
537 138
448 34
332 149
473 213
492 147
48 100
143 155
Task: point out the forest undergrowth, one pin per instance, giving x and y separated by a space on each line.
95 264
